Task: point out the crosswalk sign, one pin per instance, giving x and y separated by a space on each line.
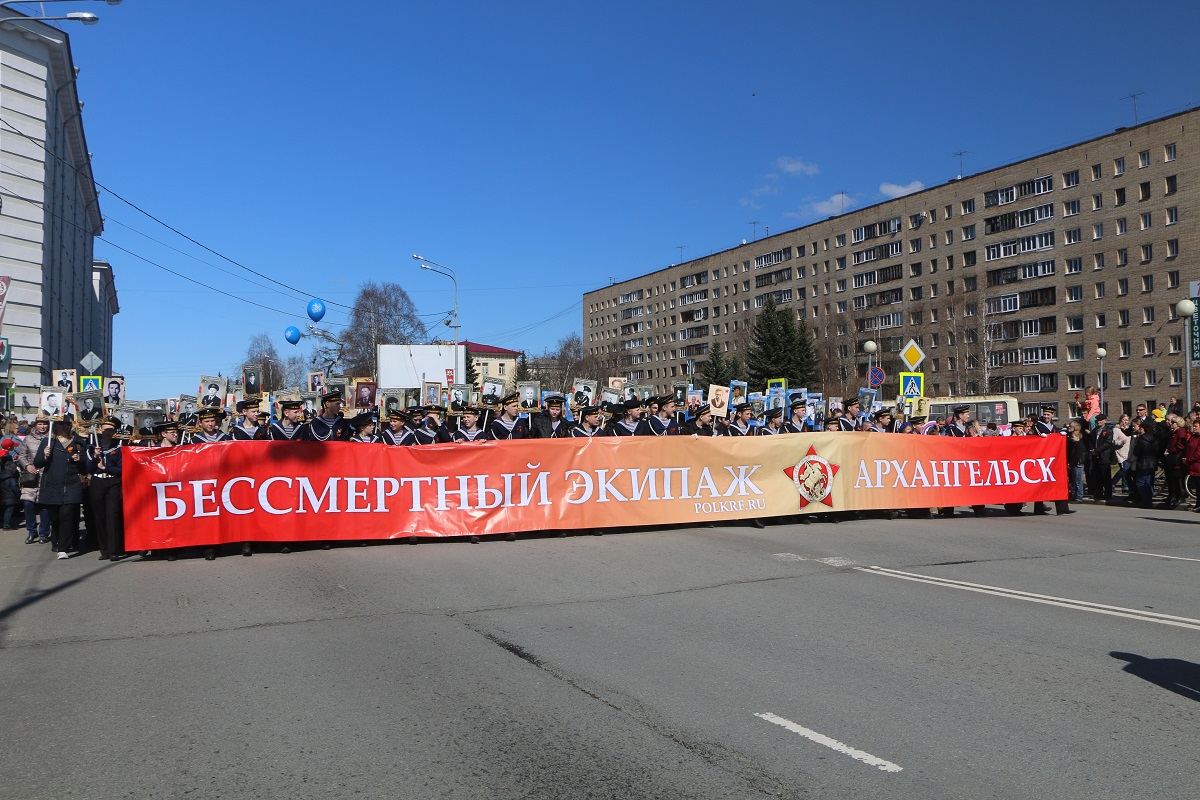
912 384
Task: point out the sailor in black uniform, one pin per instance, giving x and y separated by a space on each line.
773 423
509 425
249 429
432 430
958 430
798 421
631 422
550 424
701 423
849 420
328 426
589 424
289 428
740 426
209 420
1045 427
468 427
398 431
664 423
364 428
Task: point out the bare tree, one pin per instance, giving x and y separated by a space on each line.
557 368
261 351
383 314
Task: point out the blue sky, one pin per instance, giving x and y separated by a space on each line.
541 148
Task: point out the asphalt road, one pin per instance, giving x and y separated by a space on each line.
682 663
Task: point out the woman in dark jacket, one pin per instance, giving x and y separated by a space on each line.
61 490
1144 455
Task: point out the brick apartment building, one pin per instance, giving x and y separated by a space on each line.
1010 280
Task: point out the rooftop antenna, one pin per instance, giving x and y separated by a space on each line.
754 230
680 254
960 155
842 194
1134 96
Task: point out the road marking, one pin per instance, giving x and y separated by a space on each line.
1050 600
833 561
832 744
1157 555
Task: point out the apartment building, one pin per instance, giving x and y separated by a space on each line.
1010 280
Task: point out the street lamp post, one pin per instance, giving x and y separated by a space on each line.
1187 309
449 273
1100 354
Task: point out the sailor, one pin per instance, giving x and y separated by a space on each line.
550 424
364 428
589 424
167 434
328 426
773 423
468 427
209 420
701 423
432 430
631 422
103 463
289 428
663 423
958 430
849 420
1045 427
249 429
509 425
740 426
398 431
798 421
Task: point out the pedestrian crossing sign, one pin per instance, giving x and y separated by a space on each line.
912 384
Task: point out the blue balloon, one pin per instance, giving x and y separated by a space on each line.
292 334
316 310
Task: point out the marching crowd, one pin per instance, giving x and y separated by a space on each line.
55 471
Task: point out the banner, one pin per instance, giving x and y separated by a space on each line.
295 491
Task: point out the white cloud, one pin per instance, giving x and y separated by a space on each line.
894 190
796 166
836 204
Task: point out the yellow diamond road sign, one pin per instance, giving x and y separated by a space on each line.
912 355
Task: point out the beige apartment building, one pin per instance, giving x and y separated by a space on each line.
1010 281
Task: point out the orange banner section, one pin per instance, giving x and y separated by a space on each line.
297 491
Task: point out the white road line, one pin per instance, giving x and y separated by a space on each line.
833 561
1157 555
1050 600
832 744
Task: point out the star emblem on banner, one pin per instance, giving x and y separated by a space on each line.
813 478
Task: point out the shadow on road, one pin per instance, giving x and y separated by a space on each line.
29 596
1172 519
1181 677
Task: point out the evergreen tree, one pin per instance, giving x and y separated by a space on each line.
471 375
523 373
717 370
770 352
804 371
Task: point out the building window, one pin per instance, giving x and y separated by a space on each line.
1099 290
968 233
1074 265
1147 315
1172 215
1119 196
1122 287
1100 321
1147 253
1070 208
1070 179
1143 159
1176 344
1098 231
1169 152
1074 324
1173 279
1074 294
1124 348
1144 191
1097 202
1095 172
1121 227
1073 236
1170 184
1122 256
1074 352
500 368
1098 261
1151 377
1123 318
1172 248
1148 347
1075 382
1176 376
1118 166
1126 380
968 206
1147 283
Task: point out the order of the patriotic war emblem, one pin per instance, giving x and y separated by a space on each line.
813 478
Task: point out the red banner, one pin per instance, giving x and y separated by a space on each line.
298 491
